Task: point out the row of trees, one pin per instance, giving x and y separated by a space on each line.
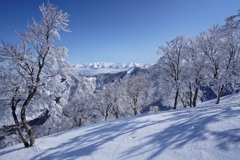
114 100
121 98
211 59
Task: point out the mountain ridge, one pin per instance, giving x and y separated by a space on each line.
96 68
109 65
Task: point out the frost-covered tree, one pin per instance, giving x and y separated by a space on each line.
232 43
172 64
76 99
210 44
113 94
195 70
106 100
102 104
133 89
77 109
222 51
27 68
233 22
231 51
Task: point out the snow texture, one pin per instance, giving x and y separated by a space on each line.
209 132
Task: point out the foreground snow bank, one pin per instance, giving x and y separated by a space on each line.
207 132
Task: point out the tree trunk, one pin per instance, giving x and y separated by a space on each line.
116 115
175 100
197 81
135 107
19 129
190 94
135 111
106 116
220 90
29 129
80 123
115 111
195 97
182 100
49 130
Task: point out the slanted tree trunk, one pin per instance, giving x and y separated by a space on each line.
28 128
220 90
115 111
175 99
183 103
31 94
109 106
183 99
15 118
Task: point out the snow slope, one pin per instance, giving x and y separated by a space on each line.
207 132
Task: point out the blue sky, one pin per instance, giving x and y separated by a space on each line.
119 30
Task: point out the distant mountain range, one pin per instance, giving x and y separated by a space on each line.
106 67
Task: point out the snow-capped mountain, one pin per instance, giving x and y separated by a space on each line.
105 67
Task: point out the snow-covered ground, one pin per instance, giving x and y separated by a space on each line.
209 132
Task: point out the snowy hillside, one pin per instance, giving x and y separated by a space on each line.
209 132
105 67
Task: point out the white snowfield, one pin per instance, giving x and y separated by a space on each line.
207 132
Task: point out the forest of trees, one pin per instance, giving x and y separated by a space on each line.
209 59
34 77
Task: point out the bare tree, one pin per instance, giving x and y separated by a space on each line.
30 65
102 104
133 90
106 100
77 109
172 63
233 22
222 51
209 44
195 70
113 94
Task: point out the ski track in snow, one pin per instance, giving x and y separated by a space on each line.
209 132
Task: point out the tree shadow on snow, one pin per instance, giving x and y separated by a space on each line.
92 139
184 128
10 150
190 126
